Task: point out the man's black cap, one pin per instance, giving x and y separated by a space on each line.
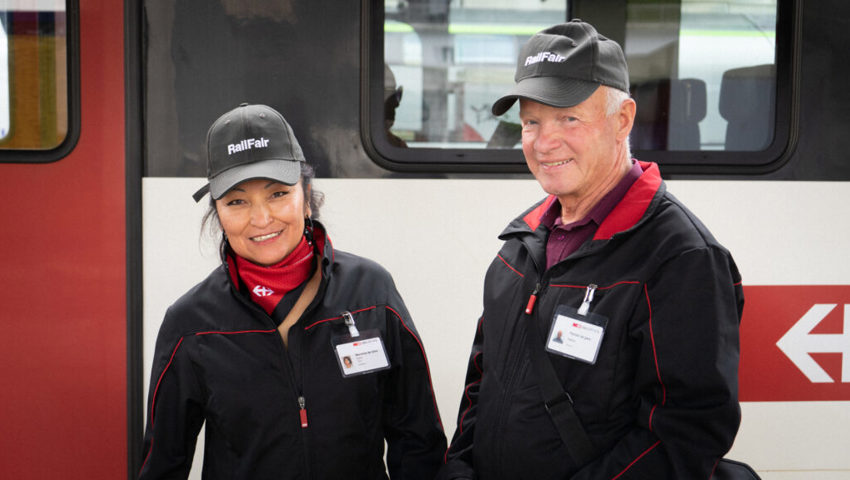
563 65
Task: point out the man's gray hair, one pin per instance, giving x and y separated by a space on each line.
615 98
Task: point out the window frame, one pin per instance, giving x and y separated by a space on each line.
72 59
677 162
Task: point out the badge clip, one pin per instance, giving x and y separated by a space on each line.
588 297
349 322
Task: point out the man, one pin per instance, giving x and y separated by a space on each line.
649 303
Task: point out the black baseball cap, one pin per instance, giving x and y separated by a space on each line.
563 65
248 142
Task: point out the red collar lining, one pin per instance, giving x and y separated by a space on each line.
625 215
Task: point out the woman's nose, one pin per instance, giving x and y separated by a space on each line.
260 215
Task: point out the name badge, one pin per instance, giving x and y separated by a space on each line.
362 354
576 336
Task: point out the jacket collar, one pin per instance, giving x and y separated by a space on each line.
625 215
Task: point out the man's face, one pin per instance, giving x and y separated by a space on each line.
576 152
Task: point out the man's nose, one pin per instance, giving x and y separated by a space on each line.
548 137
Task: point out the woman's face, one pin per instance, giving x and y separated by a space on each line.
263 219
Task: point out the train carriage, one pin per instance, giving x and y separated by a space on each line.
103 111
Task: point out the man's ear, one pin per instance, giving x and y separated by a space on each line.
626 118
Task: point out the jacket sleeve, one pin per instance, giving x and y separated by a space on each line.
174 415
412 427
459 464
686 383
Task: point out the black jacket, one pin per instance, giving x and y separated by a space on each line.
661 401
220 359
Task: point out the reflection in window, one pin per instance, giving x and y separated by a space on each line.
452 59
33 75
702 71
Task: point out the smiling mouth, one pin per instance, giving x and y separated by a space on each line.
554 164
262 238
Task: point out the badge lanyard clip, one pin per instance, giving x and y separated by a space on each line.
588 297
349 322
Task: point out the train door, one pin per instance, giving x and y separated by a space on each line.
63 284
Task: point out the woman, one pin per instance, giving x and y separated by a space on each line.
256 351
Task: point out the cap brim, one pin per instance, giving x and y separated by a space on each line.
552 91
283 171
197 196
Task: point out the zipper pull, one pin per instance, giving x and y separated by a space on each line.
302 405
349 322
532 300
588 297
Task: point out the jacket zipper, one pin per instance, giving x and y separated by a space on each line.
298 389
302 400
516 355
290 368
532 299
302 405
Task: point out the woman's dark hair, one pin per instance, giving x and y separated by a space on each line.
211 223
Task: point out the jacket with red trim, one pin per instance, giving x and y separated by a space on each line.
661 399
220 361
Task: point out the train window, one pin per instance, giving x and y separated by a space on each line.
692 92
35 108
704 74
441 65
453 64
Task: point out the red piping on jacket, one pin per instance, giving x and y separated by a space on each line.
635 460
466 392
337 317
153 400
509 266
714 468
427 367
168 365
212 332
655 357
624 282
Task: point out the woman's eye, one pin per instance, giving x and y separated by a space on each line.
235 202
280 193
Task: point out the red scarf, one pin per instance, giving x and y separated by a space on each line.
268 285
